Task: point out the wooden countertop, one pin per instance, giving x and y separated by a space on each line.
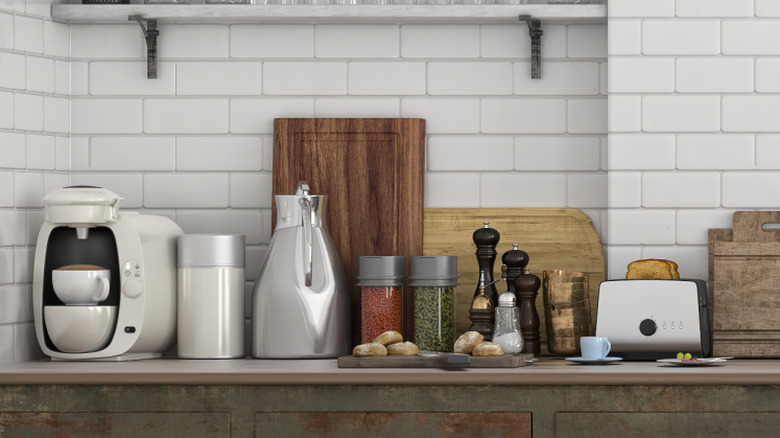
548 371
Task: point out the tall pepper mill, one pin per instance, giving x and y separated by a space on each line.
481 313
515 262
526 287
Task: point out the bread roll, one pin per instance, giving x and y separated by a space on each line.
652 269
467 341
488 349
402 349
388 338
372 349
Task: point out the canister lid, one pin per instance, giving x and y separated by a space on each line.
211 251
380 271
433 271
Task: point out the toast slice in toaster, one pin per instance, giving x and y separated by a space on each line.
648 269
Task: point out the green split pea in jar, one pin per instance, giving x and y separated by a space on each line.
433 280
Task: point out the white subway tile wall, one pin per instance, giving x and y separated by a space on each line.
692 124
34 154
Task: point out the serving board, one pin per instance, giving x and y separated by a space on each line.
372 173
744 273
554 238
435 361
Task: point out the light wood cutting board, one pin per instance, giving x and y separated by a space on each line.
744 267
558 238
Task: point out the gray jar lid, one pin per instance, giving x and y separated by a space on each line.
433 271
211 251
380 271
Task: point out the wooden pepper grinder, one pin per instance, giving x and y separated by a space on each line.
526 286
515 262
485 296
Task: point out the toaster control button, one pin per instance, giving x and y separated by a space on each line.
648 327
132 289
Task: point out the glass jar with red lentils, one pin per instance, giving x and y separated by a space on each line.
381 282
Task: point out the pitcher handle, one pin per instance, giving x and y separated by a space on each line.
306 212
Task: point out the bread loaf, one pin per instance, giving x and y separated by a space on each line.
652 269
402 349
371 349
488 349
388 338
467 341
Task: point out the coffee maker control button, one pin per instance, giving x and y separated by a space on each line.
132 289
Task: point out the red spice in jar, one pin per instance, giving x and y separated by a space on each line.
380 308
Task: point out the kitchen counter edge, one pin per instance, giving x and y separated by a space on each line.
547 371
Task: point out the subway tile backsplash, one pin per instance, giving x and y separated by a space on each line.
691 119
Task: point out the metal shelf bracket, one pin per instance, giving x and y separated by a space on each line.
535 31
149 29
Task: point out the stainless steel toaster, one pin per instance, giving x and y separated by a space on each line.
654 319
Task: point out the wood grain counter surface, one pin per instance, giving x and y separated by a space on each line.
548 371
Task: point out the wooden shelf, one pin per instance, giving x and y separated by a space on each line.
312 14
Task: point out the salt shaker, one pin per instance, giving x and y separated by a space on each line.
507 326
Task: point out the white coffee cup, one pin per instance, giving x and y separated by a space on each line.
594 347
81 285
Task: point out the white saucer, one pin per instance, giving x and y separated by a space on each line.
602 361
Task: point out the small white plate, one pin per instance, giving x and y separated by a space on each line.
602 361
693 363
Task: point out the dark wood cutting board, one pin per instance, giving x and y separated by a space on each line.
744 270
372 173
435 361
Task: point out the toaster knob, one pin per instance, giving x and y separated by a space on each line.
648 327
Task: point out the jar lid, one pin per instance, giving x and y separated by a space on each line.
380 271
433 271
211 251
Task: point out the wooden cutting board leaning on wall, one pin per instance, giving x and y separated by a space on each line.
372 172
554 238
744 273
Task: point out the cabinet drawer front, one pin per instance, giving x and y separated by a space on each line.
115 425
654 425
394 424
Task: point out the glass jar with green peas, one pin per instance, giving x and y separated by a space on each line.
433 280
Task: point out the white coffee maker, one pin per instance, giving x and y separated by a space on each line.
137 319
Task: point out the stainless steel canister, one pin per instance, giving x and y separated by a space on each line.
211 296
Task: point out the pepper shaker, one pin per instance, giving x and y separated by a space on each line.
485 296
514 261
527 286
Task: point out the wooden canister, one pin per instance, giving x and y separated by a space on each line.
566 310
